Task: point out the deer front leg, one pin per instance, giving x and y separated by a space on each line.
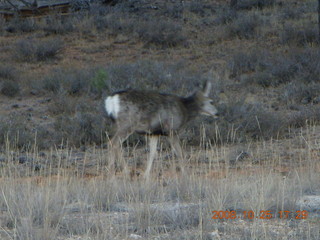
153 141
176 147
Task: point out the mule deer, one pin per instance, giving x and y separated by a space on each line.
154 114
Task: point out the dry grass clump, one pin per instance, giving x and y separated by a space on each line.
10 88
18 26
73 81
245 26
299 36
14 128
272 70
58 25
304 115
249 4
63 104
37 50
226 16
82 128
243 122
8 72
8 85
300 93
161 33
244 62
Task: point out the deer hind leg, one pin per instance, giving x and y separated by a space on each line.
176 147
153 141
116 159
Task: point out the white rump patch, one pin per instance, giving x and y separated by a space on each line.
112 105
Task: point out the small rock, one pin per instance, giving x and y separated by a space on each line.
306 100
309 203
46 100
37 167
316 100
121 207
15 105
11 29
242 155
134 236
239 157
34 92
294 108
275 107
42 154
22 159
78 207
213 235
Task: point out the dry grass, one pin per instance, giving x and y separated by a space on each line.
71 196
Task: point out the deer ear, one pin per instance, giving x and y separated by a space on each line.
207 88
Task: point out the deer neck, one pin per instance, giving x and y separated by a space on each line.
192 107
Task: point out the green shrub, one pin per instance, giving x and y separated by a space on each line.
99 81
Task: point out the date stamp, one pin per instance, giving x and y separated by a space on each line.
260 215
